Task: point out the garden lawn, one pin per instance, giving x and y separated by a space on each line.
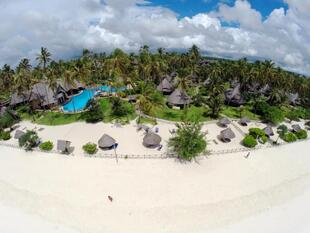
234 112
191 114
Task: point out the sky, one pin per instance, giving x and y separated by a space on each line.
277 30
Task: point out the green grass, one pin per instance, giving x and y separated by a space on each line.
192 113
146 120
59 118
234 112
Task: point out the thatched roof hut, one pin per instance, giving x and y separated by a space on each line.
227 135
269 131
244 121
19 134
106 142
179 98
224 122
233 96
64 146
166 86
151 140
296 128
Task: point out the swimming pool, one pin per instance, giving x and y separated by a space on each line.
78 102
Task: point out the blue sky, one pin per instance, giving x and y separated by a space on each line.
193 7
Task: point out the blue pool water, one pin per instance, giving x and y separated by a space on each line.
78 102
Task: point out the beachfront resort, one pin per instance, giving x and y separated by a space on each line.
151 105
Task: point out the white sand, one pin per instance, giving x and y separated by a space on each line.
49 193
129 140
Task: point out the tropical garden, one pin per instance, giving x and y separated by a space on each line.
266 90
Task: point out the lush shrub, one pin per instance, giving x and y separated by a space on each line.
263 139
302 134
29 140
293 115
257 132
274 115
94 113
189 141
289 137
261 107
120 108
307 114
47 146
249 141
5 135
8 120
90 148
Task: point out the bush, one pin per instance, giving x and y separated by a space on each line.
189 141
29 140
302 134
8 120
263 139
257 132
5 135
274 115
289 137
120 108
293 115
307 114
249 141
94 113
90 148
47 146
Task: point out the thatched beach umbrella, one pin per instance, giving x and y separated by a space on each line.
227 135
296 128
269 131
233 96
244 121
151 140
224 122
64 146
106 142
179 98
18 134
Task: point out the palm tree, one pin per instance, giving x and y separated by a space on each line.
44 57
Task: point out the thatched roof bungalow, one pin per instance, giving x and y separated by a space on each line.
165 86
179 98
233 96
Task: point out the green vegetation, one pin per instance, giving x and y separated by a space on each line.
120 108
249 141
273 115
90 148
8 120
191 113
290 137
189 141
234 112
293 115
59 118
46 146
146 120
29 140
302 134
258 134
5 135
93 112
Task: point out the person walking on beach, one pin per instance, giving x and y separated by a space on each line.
247 156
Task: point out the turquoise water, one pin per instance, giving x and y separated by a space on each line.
78 102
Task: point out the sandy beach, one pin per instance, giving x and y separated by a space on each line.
268 192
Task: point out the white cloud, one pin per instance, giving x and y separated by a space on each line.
65 27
